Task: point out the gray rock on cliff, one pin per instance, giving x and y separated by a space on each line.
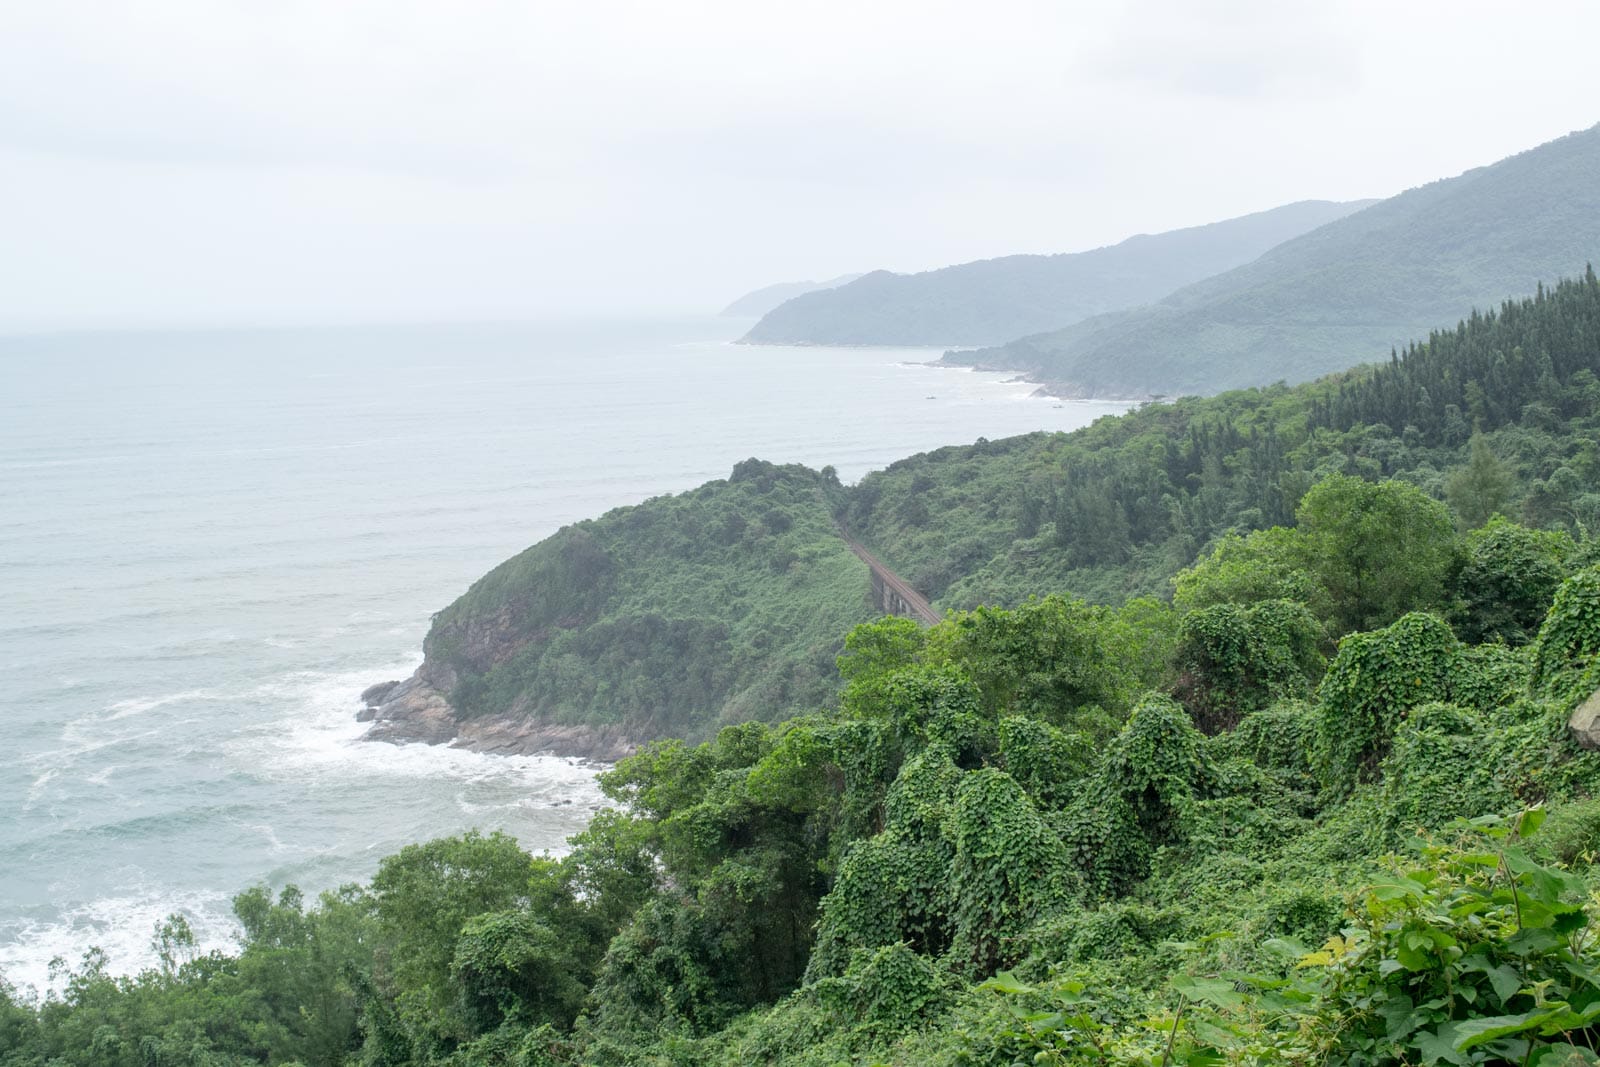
417 710
1585 722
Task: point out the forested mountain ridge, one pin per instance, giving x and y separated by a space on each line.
730 602
994 300
1347 291
1115 509
1337 802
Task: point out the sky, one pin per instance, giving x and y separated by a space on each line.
168 162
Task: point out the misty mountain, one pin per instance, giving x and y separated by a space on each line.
995 300
1344 293
763 300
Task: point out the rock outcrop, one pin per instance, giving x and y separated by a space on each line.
1585 722
416 710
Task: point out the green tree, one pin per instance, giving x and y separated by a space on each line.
1076 664
1566 654
298 962
1480 489
1370 687
1247 568
1236 659
423 896
1506 577
1379 549
18 1026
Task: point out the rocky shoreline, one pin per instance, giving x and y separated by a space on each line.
416 710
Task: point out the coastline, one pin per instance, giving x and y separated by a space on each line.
416 711
1045 388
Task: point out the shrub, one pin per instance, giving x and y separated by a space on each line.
1570 637
1374 681
1235 659
1505 581
1435 771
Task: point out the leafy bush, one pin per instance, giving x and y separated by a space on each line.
1504 582
1374 681
1010 870
1435 772
1478 956
1234 659
1490 676
1569 640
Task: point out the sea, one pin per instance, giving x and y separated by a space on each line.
211 541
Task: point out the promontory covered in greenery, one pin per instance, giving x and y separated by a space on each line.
1308 777
995 300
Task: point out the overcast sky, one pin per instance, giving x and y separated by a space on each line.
346 160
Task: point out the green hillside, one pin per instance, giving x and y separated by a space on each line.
1348 291
1337 802
1115 509
995 300
728 603
667 618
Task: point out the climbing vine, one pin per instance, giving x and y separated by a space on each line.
1377 678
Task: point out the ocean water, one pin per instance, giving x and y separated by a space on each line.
211 542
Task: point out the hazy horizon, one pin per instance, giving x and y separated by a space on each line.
170 164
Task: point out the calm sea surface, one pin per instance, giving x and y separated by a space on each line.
210 542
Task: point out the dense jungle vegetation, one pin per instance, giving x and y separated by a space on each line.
1501 413
1197 832
730 602
1317 803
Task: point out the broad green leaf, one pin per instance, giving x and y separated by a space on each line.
1006 982
1216 991
1528 822
1504 978
1561 1054
1400 889
1284 948
1439 1045
1473 1032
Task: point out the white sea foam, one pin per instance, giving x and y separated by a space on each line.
139 705
266 831
317 740
36 790
324 736
80 738
122 926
